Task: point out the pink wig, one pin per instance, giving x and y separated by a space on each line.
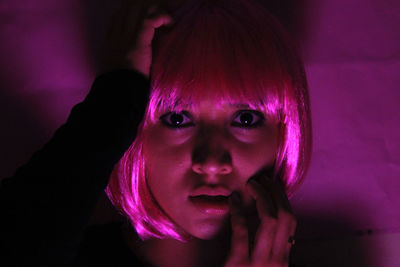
229 50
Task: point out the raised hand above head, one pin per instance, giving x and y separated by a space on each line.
128 41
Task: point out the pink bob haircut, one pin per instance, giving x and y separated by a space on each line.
229 50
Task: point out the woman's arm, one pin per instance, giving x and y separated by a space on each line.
47 204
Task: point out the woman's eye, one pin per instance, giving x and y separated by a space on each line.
248 119
177 119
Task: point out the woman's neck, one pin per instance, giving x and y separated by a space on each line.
171 252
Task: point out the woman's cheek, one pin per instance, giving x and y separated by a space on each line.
166 148
256 147
163 136
257 152
257 135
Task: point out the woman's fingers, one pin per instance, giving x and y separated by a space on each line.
286 228
266 205
130 34
141 55
239 254
277 189
266 231
150 24
277 223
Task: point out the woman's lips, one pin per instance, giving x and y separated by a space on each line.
216 205
207 190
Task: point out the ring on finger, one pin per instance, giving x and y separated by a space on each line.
292 240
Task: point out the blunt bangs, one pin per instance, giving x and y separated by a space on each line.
230 51
225 56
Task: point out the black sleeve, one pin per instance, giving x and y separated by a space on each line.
46 205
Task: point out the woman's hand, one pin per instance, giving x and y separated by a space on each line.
128 41
277 225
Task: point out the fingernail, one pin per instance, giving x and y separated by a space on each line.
236 198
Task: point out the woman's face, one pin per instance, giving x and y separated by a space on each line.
196 158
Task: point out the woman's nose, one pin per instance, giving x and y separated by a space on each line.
212 168
211 161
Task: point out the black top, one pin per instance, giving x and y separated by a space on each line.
104 245
47 204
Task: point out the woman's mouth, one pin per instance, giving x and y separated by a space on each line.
215 205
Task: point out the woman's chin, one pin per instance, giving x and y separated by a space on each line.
208 229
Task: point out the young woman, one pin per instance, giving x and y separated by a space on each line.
209 153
